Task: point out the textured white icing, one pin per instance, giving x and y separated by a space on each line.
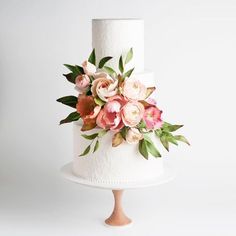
113 37
109 164
146 77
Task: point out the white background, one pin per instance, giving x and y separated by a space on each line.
191 47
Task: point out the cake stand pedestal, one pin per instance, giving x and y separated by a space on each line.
118 217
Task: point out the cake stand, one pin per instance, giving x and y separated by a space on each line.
118 217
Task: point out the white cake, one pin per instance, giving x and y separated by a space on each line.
122 164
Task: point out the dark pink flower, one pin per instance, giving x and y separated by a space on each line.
152 117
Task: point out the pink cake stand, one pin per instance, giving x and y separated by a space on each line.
118 217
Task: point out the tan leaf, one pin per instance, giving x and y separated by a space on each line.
117 139
146 104
149 91
88 125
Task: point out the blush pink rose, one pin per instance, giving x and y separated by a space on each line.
134 90
132 113
82 83
104 86
89 68
110 116
133 136
152 118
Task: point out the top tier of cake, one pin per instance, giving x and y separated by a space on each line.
113 37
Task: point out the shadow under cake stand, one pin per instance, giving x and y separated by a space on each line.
118 217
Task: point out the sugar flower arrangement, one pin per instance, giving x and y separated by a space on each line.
116 102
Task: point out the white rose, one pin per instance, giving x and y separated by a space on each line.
133 136
89 68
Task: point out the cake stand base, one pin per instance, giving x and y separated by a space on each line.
118 217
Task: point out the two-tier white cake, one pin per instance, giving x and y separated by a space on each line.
122 164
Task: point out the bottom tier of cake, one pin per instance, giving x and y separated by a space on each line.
122 164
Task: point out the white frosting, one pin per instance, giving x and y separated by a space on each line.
109 164
113 37
146 78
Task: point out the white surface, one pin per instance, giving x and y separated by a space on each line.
113 37
114 166
147 77
190 46
166 176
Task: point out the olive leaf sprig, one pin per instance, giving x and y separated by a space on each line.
166 136
94 137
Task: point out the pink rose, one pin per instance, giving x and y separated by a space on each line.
89 68
152 117
132 113
134 89
133 136
110 116
104 86
82 83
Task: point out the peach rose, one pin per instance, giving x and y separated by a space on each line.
132 113
134 90
152 118
82 83
104 86
89 68
109 117
133 136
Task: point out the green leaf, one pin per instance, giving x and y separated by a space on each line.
79 69
143 148
92 57
171 128
128 73
182 139
142 124
152 149
103 61
96 146
68 100
121 65
164 142
102 133
70 118
129 56
124 131
90 137
158 132
110 71
170 138
86 151
74 69
70 77
88 93
98 101
147 138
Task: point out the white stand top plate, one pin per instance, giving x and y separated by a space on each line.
167 176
